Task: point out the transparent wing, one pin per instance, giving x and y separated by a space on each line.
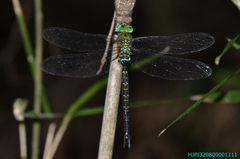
179 44
74 40
82 65
171 68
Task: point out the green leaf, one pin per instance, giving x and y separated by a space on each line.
201 100
33 115
87 95
89 111
220 97
226 97
148 59
227 47
235 45
222 72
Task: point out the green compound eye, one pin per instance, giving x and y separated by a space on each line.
124 27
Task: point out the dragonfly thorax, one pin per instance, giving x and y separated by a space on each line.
124 47
124 42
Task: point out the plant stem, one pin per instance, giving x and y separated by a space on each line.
111 104
59 136
110 110
38 56
28 48
49 140
37 77
35 140
23 141
24 33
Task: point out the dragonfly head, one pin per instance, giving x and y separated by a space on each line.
124 27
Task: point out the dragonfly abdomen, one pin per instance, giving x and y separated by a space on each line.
125 93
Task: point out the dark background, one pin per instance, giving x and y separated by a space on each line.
209 128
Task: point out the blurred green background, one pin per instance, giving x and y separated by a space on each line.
209 128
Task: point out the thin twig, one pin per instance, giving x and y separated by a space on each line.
19 107
103 60
35 140
59 136
49 140
23 140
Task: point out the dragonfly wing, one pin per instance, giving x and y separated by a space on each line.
74 40
82 65
179 44
170 68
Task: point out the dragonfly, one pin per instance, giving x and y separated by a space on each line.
129 51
